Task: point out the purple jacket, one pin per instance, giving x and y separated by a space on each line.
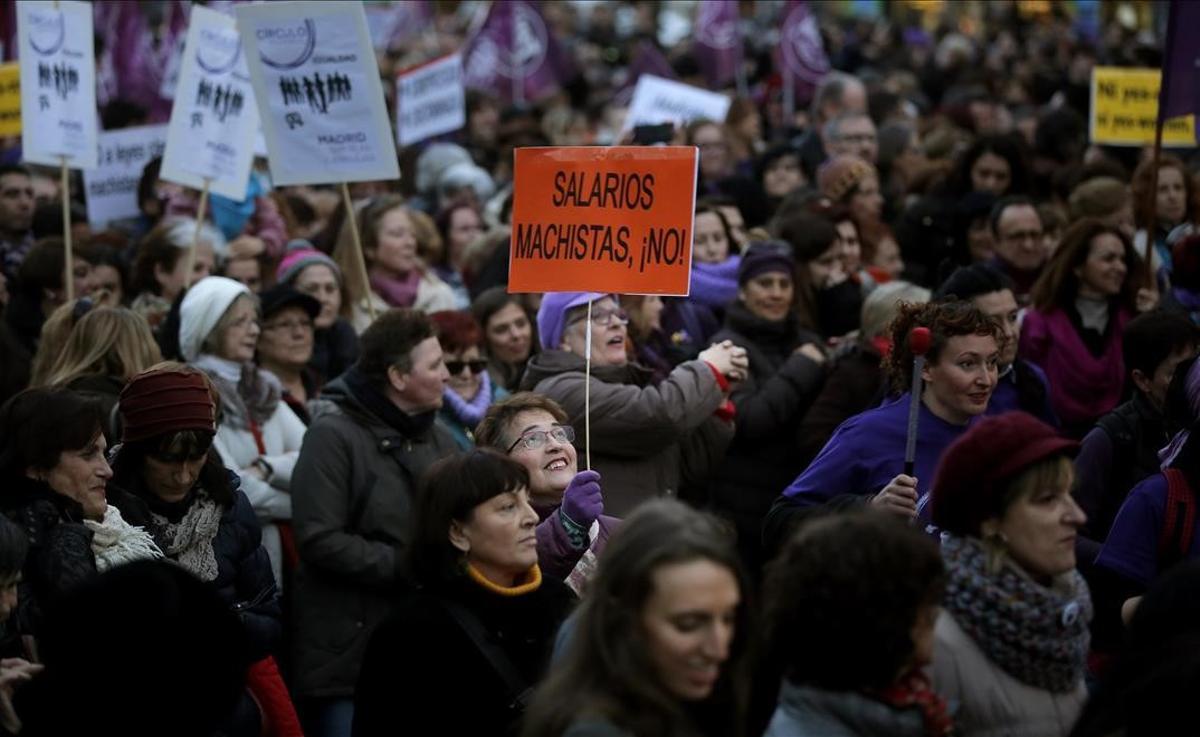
557 558
1083 386
1132 546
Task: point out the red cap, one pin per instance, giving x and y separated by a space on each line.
970 478
164 401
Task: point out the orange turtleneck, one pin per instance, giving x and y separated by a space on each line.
530 581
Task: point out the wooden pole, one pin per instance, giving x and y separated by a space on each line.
68 251
200 211
360 261
587 392
1151 224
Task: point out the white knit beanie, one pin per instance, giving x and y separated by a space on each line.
203 305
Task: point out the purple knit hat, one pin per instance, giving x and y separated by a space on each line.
299 255
552 315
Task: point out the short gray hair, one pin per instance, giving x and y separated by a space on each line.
879 308
832 90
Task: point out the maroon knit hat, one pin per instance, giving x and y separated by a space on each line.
161 401
971 475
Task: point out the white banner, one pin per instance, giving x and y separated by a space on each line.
430 100
112 186
58 83
214 118
657 100
318 91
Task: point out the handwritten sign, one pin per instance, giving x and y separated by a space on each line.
601 219
10 99
214 118
1125 109
317 85
58 83
112 186
430 100
657 100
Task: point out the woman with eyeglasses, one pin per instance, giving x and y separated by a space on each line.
646 440
168 479
786 372
258 435
396 275
469 392
285 344
572 529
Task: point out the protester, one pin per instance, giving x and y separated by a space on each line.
335 344
16 217
469 392
848 670
837 93
852 182
786 371
646 441
572 529
1088 292
396 277
160 263
827 302
1174 203
864 460
285 345
373 435
459 225
1020 252
1183 294
508 333
715 260
482 618
40 290
659 644
1011 643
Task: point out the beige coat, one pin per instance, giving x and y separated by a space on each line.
433 295
988 702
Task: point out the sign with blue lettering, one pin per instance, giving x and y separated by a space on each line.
214 120
317 85
58 83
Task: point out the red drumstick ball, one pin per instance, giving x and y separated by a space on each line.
919 341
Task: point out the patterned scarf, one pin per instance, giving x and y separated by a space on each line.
189 541
1037 634
913 690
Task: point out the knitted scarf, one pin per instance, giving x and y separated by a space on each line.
1037 634
913 690
469 413
715 285
189 541
115 542
247 394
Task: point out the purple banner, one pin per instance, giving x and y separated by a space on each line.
1180 93
801 55
514 54
646 60
718 42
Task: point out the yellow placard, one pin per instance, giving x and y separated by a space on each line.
1125 108
10 100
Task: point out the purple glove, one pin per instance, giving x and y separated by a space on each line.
582 500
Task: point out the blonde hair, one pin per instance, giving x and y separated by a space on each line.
429 241
882 304
55 332
112 341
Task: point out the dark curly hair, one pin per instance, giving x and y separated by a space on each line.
842 599
945 320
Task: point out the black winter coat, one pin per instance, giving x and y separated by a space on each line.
244 579
60 547
422 669
771 402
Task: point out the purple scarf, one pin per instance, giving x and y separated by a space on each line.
470 413
397 292
715 285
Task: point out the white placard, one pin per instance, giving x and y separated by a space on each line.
657 100
318 90
214 118
58 83
430 100
112 186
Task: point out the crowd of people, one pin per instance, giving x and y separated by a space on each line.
249 488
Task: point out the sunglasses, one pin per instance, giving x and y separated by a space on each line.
455 367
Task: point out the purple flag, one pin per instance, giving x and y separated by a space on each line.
801 58
514 54
1180 92
646 60
718 43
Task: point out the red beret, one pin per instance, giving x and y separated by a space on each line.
164 401
971 474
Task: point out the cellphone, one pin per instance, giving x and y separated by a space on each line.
648 135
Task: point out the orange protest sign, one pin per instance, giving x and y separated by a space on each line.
602 219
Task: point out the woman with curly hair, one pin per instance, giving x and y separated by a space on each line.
864 460
847 670
1012 642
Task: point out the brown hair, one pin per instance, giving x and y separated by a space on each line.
494 425
945 320
1058 285
1144 199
